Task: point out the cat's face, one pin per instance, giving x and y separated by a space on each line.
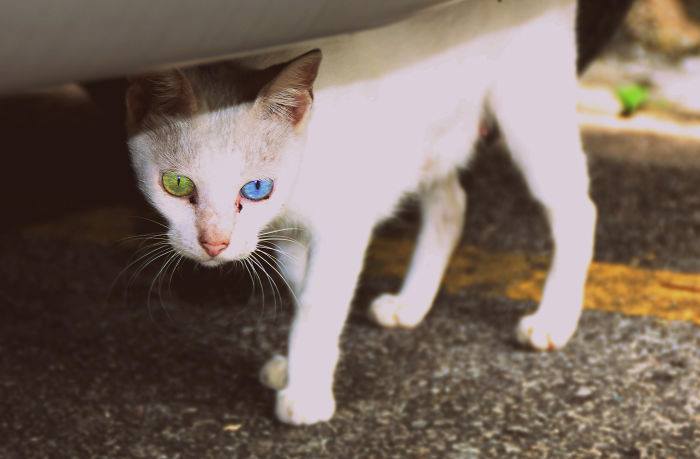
219 164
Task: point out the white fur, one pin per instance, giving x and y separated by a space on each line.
396 111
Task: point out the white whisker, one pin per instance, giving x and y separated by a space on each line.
270 280
255 261
149 220
280 251
153 250
291 290
155 254
172 273
172 256
146 236
247 270
257 276
279 230
282 239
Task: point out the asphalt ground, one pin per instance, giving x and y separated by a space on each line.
98 361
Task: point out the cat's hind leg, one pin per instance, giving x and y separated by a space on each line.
443 205
536 111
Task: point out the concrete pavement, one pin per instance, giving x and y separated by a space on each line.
90 367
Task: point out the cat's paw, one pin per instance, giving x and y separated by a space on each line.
391 311
545 332
304 406
274 373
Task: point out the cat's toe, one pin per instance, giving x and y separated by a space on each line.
383 310
302 407
545 333
390 311
274 373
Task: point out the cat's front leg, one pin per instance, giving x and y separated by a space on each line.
443 205
334 265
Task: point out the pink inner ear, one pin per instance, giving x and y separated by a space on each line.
290 94
298 110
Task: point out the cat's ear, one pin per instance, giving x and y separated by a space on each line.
168 93
290 93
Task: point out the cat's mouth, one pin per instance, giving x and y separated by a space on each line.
218 260
203 259
206 255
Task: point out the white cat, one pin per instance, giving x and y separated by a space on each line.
332 143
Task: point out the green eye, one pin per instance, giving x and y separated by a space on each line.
177 185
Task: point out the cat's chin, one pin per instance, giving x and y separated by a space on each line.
213 262
218 261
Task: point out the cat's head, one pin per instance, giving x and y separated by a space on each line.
217 149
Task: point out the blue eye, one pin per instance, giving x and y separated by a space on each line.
257 190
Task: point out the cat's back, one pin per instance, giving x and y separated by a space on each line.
454 30
404 101
480 25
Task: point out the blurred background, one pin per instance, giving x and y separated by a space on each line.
655 51
105 355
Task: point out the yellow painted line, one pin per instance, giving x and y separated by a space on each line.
520 276
515 275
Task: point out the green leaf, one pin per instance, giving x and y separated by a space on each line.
632 97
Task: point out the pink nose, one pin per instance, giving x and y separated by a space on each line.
213 248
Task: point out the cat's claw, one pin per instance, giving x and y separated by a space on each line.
390 311
545 333
304 406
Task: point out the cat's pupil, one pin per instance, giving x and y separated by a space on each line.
178 180
257 184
